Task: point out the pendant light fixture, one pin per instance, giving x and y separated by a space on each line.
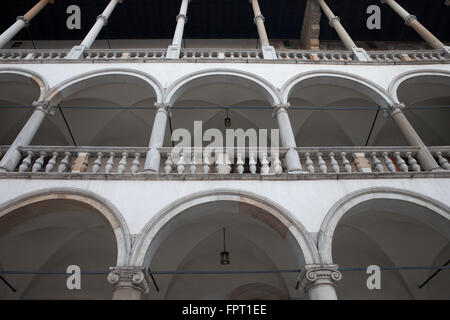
227 121
224 255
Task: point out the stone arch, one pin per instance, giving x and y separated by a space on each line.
341 207
103 206
32 76
72 85
364 86
228 75
146 244
402 78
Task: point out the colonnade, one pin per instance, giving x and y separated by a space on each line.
269 53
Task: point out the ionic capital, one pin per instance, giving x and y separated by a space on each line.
162 107
314 274
333 20
259 17
104 18
25 20
44 106
135 277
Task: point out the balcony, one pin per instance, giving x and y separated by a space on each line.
118 163
225 55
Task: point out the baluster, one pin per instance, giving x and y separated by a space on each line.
168 163
442 161
389 164
321 163
122 163
276 163
240 163
136 163
52 163
37 166
346 162
413 162
193 167
264 164
64 164
377 163
206 161
26 162
252 162
400 162
109 163
334 163
181 163
309 163
97 163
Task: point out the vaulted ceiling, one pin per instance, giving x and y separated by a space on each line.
155 19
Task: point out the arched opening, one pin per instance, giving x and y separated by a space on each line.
396 230
189 237
213 96
111 108
18 91
43 234
427 101
349 114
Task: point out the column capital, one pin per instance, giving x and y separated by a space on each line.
182 16
104 18
259 17
44 106
333 20
409 19
135 277
282 107
25 20
395 108
315 274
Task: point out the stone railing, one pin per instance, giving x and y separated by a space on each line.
321 161
235 55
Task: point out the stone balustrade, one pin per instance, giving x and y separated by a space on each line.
235 55
321 162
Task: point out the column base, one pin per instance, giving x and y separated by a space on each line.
446 50
269 53
173 52
76 53
361 55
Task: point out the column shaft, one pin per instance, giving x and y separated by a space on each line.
127 293
336 24
425 157
13 156
153 159
22 22
102 20
181 21
412 21
322 291
287 138
259 20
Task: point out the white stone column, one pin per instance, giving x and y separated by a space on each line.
319 281
412 21
22 22
268 51
425 157
13 156
174 50
335 23
129 283
78 51
153 158
287 138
